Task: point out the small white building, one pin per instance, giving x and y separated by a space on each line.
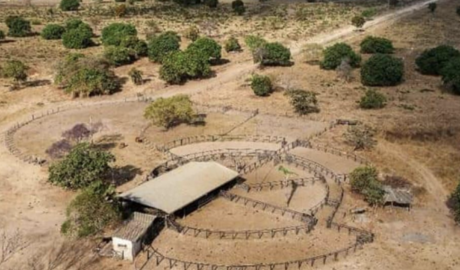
127 240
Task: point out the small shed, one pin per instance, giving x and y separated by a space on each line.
181 187
127 240
397 197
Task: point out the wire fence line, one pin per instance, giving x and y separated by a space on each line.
287 183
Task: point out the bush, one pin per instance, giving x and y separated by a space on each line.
168 112
74 23
334 55
358 21
232 45
179 66
254 42
211 3
52 31
83 77
432 7
432 61
136 76
273 54
81 167
91 211
69 5
360 137
192 33
138 48
163 44
372 100
238 7
116 32
118 56
369 13
16 70
208 47
78 38
304 102
261 85
376 45
382 70
120 10
364 180
451 75
17 26
454 203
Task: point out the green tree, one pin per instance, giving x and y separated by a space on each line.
254 42
358 21
364 180
73 23
372 100
451 75
179 66
168 112
382 70
432 61
261 85
208 47
334 55
118 56
18 26
304 102
192 33
137 47
52 31
136 76
272 54
69 5
78 38
360 137
81 167
238 7
116 32
15 70
91 211
232 45
163 44
376 45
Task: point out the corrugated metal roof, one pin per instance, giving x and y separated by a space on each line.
135 227
397 195
175 189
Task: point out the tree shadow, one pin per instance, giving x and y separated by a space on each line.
124 174
219 62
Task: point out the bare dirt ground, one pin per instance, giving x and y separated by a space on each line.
418 139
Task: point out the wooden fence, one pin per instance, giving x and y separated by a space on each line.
280 184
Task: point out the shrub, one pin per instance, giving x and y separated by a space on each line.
83 77
454 203
364 180
163 44
382 70
376 45
232 45
304 102
52 31
91 211
432 7
360 137
136 76
238 7
180 66
254 42
334 55
69 5
16 70
273 54
192 33
372 100
261 85
78 38
451 75
358 21
168 112
208 47
118 56
138 48
116 32
81 167
74 23
211 3
369 13
432 61
120 10
17 26
2 35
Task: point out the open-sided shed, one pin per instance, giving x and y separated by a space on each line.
180 187
398 197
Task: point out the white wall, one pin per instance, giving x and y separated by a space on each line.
125 249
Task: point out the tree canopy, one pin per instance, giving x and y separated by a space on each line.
168 112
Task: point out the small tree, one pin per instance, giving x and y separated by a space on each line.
78 38
81 167
372 100
272 54
52 31
382 70
168 112
454 203
232 45
432 61
451 75
17 26
74 23
432 7
376 45
69 5
15 70
261 85
208 47
358 21
137 47
304 102
118 56
179 66
254 42
116 32
238 7
136 76
91 211
192 33
360 137
163 44
334 55
364 180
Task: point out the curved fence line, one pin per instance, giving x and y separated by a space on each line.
254 187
